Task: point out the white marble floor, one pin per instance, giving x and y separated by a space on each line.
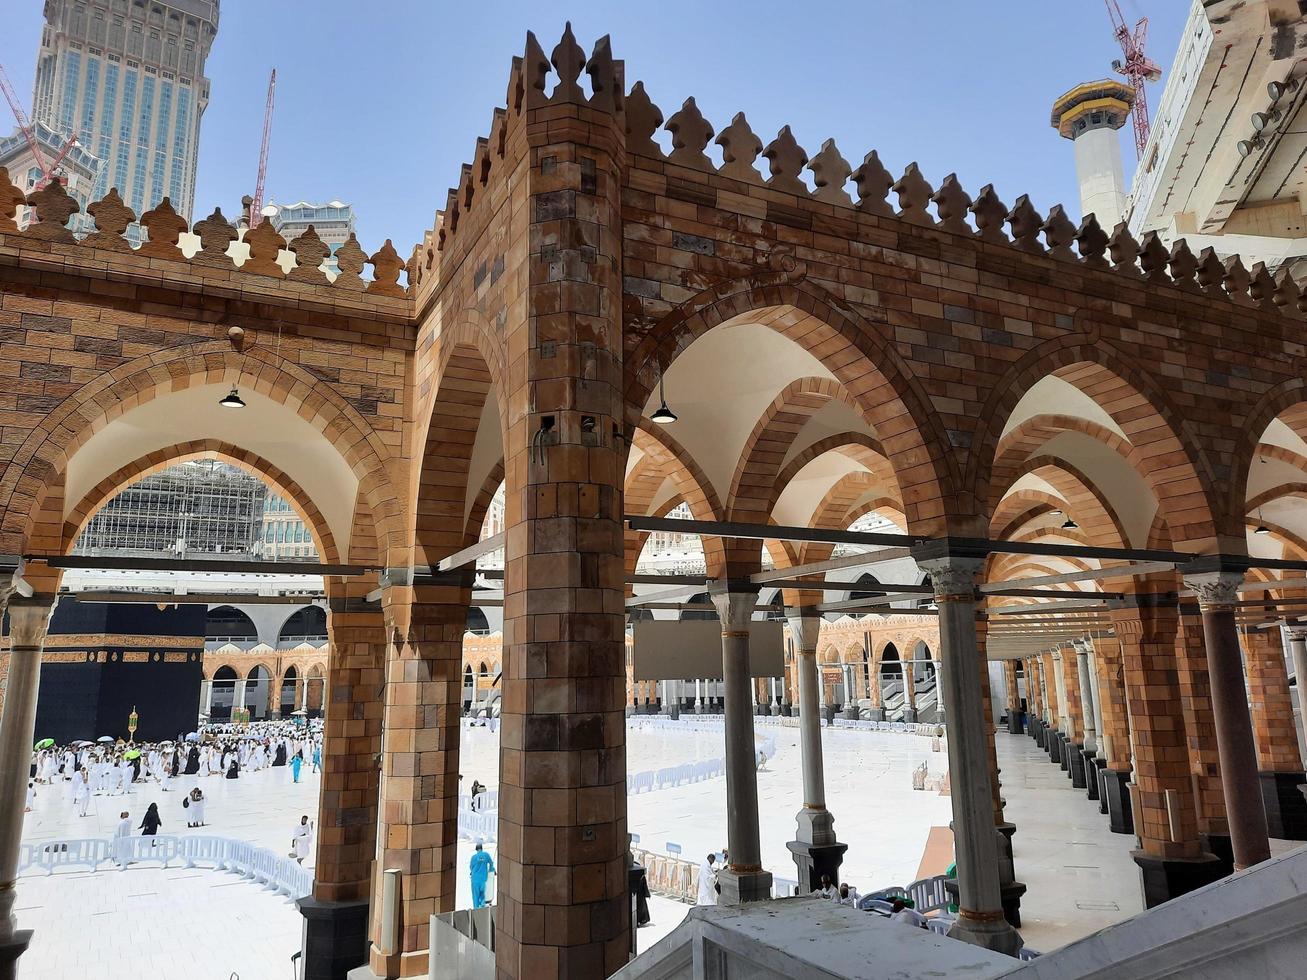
201 923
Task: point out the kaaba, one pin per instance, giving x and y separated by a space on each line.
102 660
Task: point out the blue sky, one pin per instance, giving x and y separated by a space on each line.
379 103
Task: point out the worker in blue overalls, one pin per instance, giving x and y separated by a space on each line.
482 867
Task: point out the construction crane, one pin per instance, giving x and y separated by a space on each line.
1136 66
256 202
49 171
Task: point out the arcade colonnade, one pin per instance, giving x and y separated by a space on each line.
1062 425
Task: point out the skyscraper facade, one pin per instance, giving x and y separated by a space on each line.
126 77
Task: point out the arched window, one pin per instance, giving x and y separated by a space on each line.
230 624
476 620
309 623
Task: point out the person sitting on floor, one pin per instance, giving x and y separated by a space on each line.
901 912
827 890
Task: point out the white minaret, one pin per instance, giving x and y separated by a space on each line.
1089 115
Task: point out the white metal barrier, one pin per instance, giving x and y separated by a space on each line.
274 871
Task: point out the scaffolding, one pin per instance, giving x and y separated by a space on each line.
201 507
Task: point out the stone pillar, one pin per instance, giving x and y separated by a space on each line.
1200 732
1216 585
1170 858
909 690
976 847
698 696
1014 722
815 849
238 695
418 826
1074 715
743 879
1114 775
1089 749
336 914
1279 766
563 908
1298 647
206 697
28 619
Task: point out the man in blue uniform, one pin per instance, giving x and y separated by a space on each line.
482 867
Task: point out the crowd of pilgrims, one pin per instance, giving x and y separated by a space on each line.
112 768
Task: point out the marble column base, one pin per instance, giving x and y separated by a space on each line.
673 711
1222 848
828 711
910 715
1116 790
998 936
1015 722
1286 808
815 860
851 712
736 889
1168 878
335 938
787 711
878 714
10 950
1011 889
1102 790
1090 762
1064 752
1075 758
1053 743
1037 730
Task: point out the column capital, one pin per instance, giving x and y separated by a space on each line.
805 628
952 573
735 602
28 620
1216 588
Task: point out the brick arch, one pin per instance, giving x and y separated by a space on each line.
754 485
154 462
447 436
36 472
476 517
867 365
1077 492
1295 489
1028 437
1287 399
893 509
1173 462
693 488
858 446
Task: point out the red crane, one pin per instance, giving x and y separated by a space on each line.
48 170
256 203
1137 67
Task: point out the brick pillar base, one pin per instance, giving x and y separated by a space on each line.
1075 764
1168 878
1117 795
335 937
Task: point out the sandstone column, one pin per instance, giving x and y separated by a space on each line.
980 918
1170 858
336 914
418 805
1217 591
28 619
909 690
1114 775
1279 766
563 900
743 879
815 849
1089 749
1014 722
1298 647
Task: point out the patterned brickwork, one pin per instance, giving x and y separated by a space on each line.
1147 629
1272 706
1115 710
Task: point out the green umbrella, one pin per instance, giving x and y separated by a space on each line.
132 754
45 743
